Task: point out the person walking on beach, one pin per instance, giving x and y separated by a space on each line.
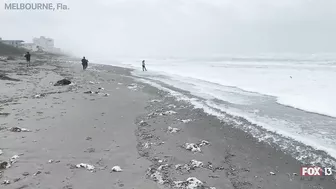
144 66
27 56
84 63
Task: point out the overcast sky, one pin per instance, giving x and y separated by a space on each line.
178 27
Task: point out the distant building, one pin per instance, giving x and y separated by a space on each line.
46 44
15 43
39 44
30 46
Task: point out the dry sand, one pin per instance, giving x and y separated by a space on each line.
127 127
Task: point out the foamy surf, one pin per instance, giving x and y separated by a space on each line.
290 139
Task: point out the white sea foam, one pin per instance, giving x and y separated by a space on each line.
307 85
252 87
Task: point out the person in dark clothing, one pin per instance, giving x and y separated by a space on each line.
84 63
27 56
144 66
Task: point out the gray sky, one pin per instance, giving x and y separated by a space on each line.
178 27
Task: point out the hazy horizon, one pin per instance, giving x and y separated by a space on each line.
107 28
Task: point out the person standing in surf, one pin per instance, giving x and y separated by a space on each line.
84 63
144 66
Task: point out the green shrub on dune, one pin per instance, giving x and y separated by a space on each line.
6 50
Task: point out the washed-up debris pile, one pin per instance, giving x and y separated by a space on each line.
173 130
196 147
62 82
19 129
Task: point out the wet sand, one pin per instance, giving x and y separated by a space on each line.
125 124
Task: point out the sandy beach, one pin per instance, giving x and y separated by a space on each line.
106 118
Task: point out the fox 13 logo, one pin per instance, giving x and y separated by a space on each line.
316 171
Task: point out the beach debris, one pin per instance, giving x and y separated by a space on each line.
150 115
192 147
143 123
169 112
156 176
37 173
163 167
88 92
88 138
91 82
155 100
18 129
106 94
1 152
6 182
25 174
160 143
62 82
13 159
190 166
86 166
186 120
147 145
101 88
116 169
214 176
3 58
4 165
4 114
171 106
178 166
39 95
190 183
196 164
204 142
173 130
132 86
272 173
4 77
51 161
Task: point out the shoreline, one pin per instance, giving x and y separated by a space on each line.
247 160
135 116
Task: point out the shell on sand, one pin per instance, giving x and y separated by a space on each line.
173 130
195 163
86 166
190 183
192 147
13 159
116 169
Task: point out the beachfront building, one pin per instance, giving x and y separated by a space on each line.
15 43
45 44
